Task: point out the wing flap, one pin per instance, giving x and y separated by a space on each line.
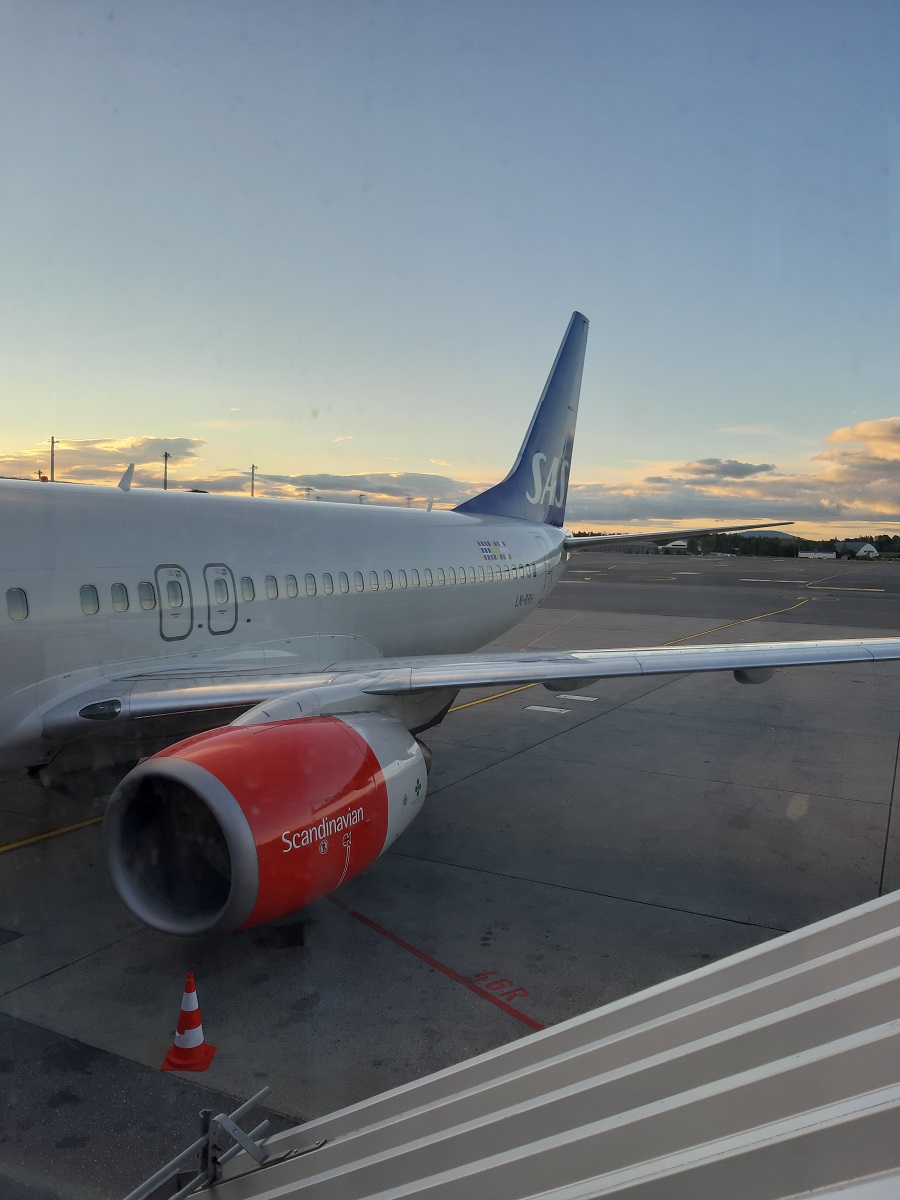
511 669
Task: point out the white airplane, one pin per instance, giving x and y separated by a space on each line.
337 632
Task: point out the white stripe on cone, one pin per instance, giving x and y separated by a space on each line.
190 1038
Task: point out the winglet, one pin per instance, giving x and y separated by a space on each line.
536 487
125 482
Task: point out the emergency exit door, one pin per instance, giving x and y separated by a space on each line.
221 597
176 605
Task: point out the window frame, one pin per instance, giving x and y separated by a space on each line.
88 592
15 596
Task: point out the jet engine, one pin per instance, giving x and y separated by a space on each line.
244 824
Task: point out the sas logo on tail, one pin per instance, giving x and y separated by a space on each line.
552 488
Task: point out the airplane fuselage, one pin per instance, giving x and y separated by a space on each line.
98 582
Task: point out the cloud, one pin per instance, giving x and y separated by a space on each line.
439 462
343 438
883 434
378 487
724 468
854 481
103 459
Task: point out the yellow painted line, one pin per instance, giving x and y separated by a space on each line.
743 621
484 699
42 837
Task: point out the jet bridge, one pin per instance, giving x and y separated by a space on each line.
772 1073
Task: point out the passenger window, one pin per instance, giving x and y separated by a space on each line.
358 581
415 577
327 584
248 591
147 595
515 573
451 574
481 574
373 580
429 578
388 580
174 593
119 596
310 585
401 578
344 582
271 587
490 574
290 582
440 573
472 574
90 602
506 572
16 604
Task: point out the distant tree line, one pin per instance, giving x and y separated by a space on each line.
781 547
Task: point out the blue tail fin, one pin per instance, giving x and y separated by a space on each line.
536 487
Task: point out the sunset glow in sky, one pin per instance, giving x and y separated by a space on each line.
342 241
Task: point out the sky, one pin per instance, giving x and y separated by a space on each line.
342 241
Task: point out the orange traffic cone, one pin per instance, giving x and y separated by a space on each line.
190 1051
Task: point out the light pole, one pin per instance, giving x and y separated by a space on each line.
166 457
53 445
253 469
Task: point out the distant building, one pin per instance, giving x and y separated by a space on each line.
855 548
679 546
816 554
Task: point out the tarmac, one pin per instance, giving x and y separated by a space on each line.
574 848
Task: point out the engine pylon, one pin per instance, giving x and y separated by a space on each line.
190 1051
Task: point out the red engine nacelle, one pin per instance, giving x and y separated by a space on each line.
239 826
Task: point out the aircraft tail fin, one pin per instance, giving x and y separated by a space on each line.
536 487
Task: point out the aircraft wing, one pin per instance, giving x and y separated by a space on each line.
343 687
754 660
667 535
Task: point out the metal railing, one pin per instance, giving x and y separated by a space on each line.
212 1157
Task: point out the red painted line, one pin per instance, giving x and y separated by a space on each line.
438 966
549 631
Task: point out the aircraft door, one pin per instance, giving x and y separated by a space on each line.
221 597
176 604
544 567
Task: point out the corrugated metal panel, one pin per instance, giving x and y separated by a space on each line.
767 1075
